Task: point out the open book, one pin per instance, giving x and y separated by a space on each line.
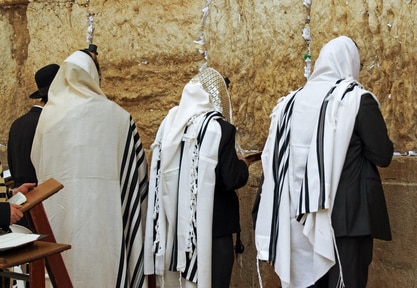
13 240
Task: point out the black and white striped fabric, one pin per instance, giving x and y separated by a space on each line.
191 269
280 168
305 205
134 187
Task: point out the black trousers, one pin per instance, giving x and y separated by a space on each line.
355 255
222 261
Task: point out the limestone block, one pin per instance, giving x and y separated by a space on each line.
13 2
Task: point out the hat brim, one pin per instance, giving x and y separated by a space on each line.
41 93
35 95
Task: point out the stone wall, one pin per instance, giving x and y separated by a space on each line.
147 54
394 262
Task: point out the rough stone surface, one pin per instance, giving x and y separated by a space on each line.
147 55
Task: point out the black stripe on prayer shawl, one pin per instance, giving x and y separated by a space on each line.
134 191
191 263
280 164
206 121
349 89
320 162
140 151
320 156
121 275
174 253
191 267
138 282
190 271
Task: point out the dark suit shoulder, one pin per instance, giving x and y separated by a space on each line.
228 129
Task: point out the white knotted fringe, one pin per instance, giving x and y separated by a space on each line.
259 273
340 282
180 280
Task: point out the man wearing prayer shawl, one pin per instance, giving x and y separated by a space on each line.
91 145
321 201
193 208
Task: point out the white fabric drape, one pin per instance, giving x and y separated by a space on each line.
304 253
91 145
170 191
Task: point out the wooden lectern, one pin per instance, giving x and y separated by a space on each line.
39 222
34 254
46 252
41 253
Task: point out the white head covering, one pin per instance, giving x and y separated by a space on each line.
83 140
338 59
305 253
182 182
205 92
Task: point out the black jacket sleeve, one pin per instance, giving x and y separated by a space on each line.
370 126
4 215
232 172
360 207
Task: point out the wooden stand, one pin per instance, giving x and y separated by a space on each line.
55 265
35 255
39 223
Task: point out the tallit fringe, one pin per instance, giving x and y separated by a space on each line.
340 282
240 261
180 280
162 279
259 273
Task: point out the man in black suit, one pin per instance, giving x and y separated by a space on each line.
322 202
23 129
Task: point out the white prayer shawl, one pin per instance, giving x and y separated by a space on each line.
303 254
170 191
266 206
91 145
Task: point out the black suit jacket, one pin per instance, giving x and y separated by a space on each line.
231 174
19 147
359 207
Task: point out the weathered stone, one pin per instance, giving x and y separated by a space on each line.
13 2
147 54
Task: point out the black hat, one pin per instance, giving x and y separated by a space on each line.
43 78
91 48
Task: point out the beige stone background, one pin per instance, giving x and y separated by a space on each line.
147 54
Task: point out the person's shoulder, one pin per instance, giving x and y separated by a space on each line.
367 99
226 127
222 121
23 119
116 107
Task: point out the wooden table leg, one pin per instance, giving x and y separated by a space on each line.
37 273
57 271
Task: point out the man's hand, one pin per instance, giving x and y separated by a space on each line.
15 213
24 188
